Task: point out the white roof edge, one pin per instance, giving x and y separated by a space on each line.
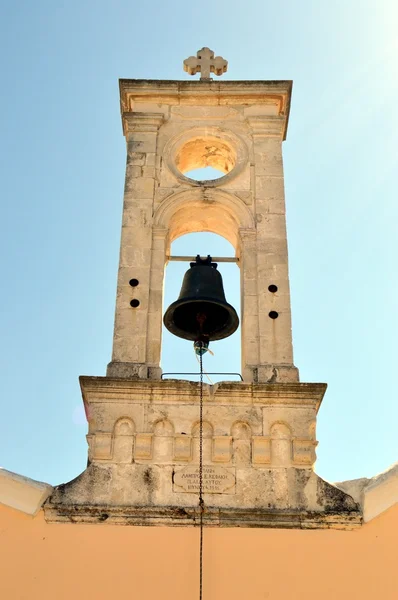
375 495
22 493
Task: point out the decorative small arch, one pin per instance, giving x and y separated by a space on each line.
241 433
280 430
124 426
281 444
207 429
163 428
163 440
241 430
123 440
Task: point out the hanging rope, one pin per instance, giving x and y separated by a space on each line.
204 370
201 503
200 348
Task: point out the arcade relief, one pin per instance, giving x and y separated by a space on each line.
279 447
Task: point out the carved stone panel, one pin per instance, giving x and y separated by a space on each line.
261 450
216 480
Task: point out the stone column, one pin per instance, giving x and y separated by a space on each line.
155 305
130 352
275 335
250 341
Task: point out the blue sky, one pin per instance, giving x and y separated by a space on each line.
62 175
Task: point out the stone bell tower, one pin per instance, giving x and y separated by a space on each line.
172 127
260 434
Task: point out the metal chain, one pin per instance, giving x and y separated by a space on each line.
201 503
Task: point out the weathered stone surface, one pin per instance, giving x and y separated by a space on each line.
375 495
22 493
258 451
258 436
171 128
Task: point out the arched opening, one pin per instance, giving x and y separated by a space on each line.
178 356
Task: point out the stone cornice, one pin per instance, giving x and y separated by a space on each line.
231 93
105 389
189 516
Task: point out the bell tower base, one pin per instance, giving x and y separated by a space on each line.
258 453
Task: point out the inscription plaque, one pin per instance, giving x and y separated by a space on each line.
216 480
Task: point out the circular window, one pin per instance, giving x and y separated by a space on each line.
208 156
202 152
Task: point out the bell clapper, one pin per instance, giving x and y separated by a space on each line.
201 347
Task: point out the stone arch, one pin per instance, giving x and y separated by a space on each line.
124 426
163 440
207 429
241 430
123 440
281 444
280 430
163 428
241 433
183 213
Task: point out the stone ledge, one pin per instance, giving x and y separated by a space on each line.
375 495
213 517
144 495
22 493
107 389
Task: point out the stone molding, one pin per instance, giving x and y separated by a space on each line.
105 390
189 516
22 493
223 93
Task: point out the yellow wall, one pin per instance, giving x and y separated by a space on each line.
116 562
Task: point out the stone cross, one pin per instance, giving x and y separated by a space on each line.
205 63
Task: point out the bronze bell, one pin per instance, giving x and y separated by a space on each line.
201 311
